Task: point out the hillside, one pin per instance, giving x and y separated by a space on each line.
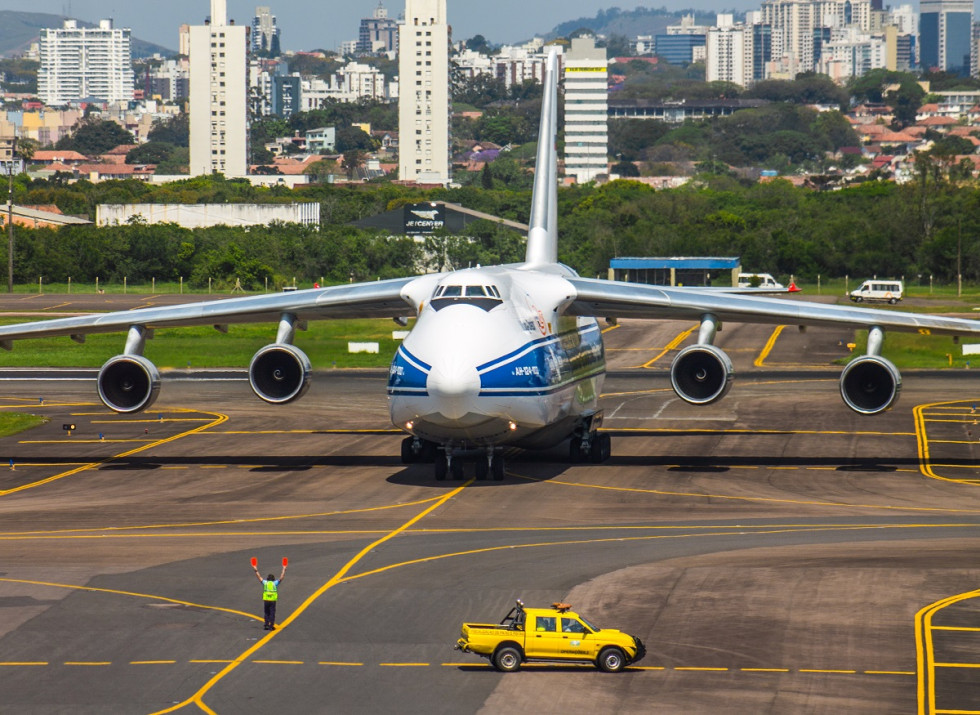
641 21
19 29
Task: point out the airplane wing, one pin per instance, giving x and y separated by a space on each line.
613 299
381 299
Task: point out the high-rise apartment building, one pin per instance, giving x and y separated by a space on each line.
81 62
797 29
423 107
586 110
219 95
945 29
728 54
265 32
379 33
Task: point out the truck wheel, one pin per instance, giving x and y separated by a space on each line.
611 660
507 659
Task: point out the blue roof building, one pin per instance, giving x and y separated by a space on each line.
690 271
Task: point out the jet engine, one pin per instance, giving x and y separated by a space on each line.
128 383
870 384
701 374
280 373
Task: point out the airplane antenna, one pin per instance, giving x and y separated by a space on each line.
542 237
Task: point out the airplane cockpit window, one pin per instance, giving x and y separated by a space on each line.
485 297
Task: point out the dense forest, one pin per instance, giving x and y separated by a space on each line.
875 228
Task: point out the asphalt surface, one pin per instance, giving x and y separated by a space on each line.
776 552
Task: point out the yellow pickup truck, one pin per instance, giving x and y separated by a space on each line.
549 634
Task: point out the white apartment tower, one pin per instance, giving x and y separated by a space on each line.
423 106
77 63
219 96
586 110
728 54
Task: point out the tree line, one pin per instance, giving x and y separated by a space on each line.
929 226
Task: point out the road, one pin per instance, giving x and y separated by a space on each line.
776 552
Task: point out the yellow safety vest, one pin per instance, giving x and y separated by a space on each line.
269 591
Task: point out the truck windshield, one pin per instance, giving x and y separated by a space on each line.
590 624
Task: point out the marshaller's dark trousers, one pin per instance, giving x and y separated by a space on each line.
270 613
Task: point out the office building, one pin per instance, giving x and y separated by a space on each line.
945 32
423 107
586 110
379 33
265 33
219 95
85 63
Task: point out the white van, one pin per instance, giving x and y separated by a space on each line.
765 280
883 291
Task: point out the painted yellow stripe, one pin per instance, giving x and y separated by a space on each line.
278 662
129 593
764 670
956 665
821 670
87 663
954 628
924 650
404 665
219 418
770 344
890 672
198 697
700 669
331 662
211 662
22 665
257 520
672 345
152 662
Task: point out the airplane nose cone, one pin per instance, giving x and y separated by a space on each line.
456 386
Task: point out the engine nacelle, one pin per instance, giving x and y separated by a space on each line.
870 384
128 383
280 373
701 374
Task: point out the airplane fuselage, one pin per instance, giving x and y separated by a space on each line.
492 361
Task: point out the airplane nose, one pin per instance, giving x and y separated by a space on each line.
456 386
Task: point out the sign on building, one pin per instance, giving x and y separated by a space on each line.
424 219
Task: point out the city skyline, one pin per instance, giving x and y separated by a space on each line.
504 21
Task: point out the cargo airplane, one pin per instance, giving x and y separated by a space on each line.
508 355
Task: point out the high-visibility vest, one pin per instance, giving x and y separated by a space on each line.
269 591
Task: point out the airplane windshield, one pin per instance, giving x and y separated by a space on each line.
484 297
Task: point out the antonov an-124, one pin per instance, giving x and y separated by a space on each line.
499 356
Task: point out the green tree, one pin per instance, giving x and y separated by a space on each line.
93 136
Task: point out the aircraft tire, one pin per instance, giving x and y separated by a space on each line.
575 455
441 468
595 449
605 442
408 454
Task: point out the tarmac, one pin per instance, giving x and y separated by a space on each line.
776 552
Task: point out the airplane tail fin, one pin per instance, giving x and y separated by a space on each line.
542 237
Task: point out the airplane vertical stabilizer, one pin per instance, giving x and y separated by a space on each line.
542 238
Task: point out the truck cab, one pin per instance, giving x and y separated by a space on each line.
554 634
